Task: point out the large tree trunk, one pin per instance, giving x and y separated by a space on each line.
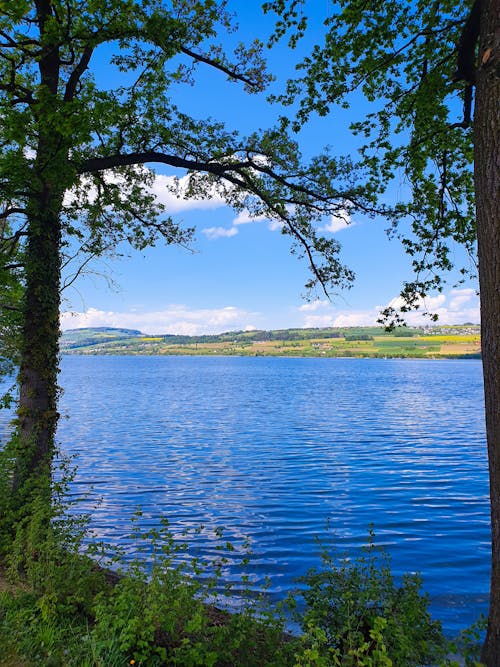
37 415
487 186
37 412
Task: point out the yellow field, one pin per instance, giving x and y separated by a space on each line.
416 346
453 339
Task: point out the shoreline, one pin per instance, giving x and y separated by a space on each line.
442 357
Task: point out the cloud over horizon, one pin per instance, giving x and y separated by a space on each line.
455 307
174 319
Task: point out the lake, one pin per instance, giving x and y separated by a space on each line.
272 449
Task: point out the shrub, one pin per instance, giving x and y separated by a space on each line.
356 614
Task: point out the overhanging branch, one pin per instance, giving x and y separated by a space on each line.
236 173
232 74
94 165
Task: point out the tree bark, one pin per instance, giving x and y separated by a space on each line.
487 187
39 354
37 413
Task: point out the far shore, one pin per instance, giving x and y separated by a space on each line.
457 342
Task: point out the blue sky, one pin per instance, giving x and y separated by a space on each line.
239 273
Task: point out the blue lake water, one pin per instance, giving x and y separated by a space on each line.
271 449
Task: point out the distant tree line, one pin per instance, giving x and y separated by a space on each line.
350 334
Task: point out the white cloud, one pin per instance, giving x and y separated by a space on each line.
459 297
219 232
430 303
276 225
261 160
163 189
71 199
314 305
339 222
245 217
171 191
344 318
174 319
358 318
168 190
456 307
317 321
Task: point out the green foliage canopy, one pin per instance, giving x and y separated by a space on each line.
414 63
103 136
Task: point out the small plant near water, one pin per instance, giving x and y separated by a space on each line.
356 614
466 650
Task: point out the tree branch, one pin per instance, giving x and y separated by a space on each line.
78 272
11 211
213 63
233 172
466 58
10 267
93 165
77 73
5 306
12 43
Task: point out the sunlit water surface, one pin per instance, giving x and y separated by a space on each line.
274 449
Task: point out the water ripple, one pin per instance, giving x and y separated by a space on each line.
270 449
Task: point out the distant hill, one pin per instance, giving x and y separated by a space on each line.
434 342
106 330
77 338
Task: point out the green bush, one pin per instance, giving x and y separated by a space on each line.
358 615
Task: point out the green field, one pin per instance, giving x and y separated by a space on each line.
438 342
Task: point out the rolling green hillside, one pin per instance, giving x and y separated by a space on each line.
81 338
436 342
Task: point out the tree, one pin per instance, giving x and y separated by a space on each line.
431 72
75 156
487 187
